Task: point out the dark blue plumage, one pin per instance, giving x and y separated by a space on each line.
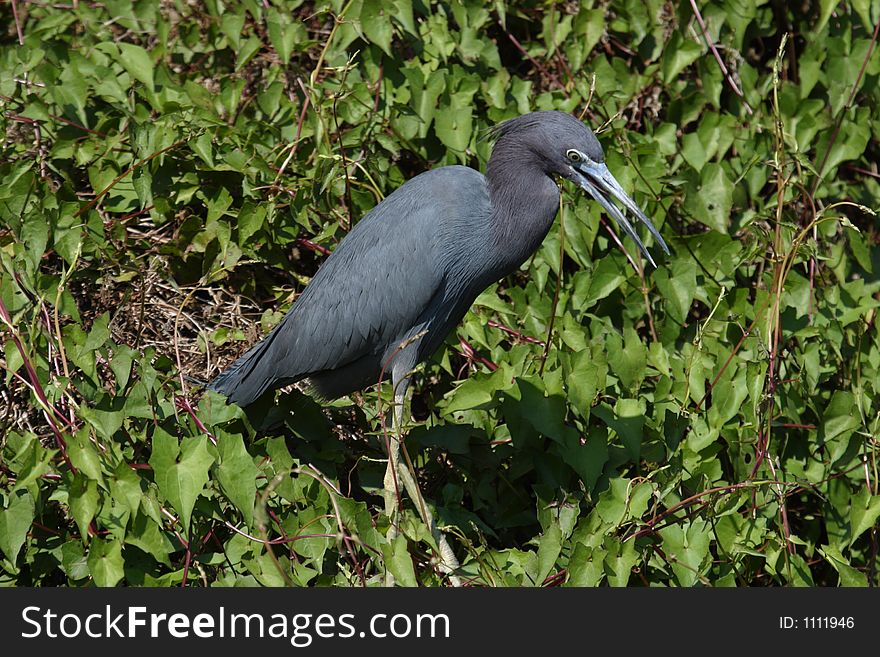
418 260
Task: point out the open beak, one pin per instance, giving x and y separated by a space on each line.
597 181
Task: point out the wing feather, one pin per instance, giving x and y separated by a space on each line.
372 289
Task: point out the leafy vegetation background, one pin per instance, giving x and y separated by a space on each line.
173 172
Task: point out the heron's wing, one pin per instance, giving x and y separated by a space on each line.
372 289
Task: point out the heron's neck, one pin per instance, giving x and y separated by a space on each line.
524 199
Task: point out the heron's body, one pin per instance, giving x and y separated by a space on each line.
413 265
408 272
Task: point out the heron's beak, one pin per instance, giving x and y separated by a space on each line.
595 179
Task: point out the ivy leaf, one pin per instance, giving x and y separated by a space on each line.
105 562
376 23
181 471
282 34
83 499
237 474
863 513
627 420
682 51
549 548
849 576
586 566
399 561
84 455
15 523
137 62
688 545
587 379
628 358
589 458
73 560
839 421
606 277
150 538
678 285
454 124
711 200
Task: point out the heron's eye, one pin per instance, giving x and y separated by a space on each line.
574 155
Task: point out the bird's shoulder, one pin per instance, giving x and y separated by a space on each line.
431 196
385 272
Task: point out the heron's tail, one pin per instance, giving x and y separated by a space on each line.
249 377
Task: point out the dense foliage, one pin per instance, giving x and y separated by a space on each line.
173 172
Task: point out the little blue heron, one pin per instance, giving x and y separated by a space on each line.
406 274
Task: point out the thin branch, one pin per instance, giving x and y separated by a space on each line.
714 49
852 94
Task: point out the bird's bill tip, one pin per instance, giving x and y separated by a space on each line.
599 183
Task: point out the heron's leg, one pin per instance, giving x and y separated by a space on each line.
448 561
392 482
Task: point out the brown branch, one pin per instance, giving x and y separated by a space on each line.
852 94
134 167
714 49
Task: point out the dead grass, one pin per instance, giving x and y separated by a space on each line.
146 311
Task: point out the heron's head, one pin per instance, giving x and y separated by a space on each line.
564 146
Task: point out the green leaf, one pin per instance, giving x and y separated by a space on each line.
203 146
686 547
613 502
710 202
587 566
839 419
105 562
849 576
149 537
826 8
35 235
693 150
587 459
606 277
282 34
143 186
475 392
586 380
628 358
863 513
627 420
126 486
546 413
399 562
137 62
247 51
121 366
73 560
681 53
678 285
728 395
454 125
32 462
15 523
84 455
83 499
376 23
549 548
250 220
237 474
863 8
620 561
403 14
232 25
180 471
